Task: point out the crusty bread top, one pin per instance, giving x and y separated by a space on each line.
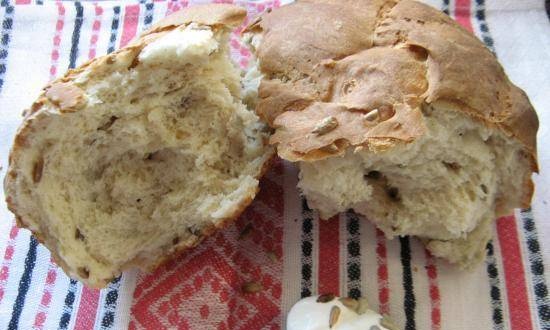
354 73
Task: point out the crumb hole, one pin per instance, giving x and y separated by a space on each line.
419 52
375 175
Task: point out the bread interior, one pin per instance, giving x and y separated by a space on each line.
164 150
446 187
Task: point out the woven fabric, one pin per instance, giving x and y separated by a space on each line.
278 242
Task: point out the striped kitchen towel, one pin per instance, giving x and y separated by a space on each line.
287 249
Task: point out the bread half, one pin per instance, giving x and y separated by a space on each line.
392 109
137 155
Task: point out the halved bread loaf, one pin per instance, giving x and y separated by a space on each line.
139 154
392 109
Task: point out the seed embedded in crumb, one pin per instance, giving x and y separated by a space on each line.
350 303
252 287
372 116
484 189
78 235
334 315
326 125
325 298
37 170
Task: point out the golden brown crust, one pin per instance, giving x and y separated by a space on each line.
389 53
63 95
211 14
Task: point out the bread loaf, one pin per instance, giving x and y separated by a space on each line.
392 109
137 155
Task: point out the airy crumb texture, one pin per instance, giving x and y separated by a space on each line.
392 109
138 155
442 188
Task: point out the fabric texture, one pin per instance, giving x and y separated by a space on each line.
278 243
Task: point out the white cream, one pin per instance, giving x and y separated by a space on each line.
308 314
189 44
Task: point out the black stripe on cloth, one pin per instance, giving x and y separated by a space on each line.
24 284
483 27
110 304
73 284
492 269
76 34
547 5
307 250
114 29
69 303
536 263
409 301
494 285
7 26
354 255
446 6
39 2
149 9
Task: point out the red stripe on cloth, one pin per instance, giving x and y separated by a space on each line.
60 23
129 28
435 298
462 14
329 256
89 300
382 261
514 274
41 312
8 255
22 2
95 31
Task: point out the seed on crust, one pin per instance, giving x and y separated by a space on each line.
325 298
372 116
326 125
252 287
334 315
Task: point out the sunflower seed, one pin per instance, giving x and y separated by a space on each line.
386 323
325 298
334 315
272 256
372 115
252 287
326 125
350 303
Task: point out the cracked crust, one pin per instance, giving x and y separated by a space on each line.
371 64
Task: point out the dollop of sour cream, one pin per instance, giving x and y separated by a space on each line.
315 313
